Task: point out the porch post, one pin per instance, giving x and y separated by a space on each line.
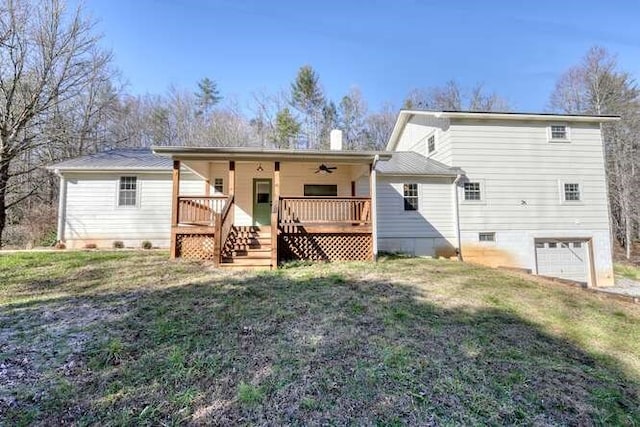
175 206
374 211
232 178
275 206
207 182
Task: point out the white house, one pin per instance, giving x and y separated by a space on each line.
516 190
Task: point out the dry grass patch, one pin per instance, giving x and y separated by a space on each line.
131 338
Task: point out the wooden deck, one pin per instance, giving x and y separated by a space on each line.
303 228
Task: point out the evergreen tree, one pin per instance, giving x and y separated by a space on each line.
207 95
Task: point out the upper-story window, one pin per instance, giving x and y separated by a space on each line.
558 133
472 191
431 144
571 192
410 197
127 191
218 185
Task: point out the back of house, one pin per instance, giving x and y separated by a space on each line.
525 191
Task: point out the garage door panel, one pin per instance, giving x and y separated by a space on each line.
563 259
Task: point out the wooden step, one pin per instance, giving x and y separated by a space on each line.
245 267
253 253
247 261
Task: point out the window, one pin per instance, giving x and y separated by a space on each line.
320 190
577 245
552 245
558 133
472 191
218 185
572 192
127 191
410 197
431 144
487 237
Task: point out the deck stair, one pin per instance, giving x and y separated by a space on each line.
247 247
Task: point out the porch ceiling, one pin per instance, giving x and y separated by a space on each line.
258 154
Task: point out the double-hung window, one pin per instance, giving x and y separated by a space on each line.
218 185
431 144
571 192
127 191
558 133
410 195
472 191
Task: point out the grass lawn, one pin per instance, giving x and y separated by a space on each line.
130 338
629 271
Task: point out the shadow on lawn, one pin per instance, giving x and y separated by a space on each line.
272 349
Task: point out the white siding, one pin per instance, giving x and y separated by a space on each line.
522 175
428 231
93 215
417 131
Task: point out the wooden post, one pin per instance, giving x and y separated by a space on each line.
175 206
232 178
275 205
207 182
217 240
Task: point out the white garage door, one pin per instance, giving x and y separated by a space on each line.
566 259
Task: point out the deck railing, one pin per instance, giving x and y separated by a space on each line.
325 210
223 225
200 210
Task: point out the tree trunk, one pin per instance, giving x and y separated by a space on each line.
4 180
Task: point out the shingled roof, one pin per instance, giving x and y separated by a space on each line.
118 159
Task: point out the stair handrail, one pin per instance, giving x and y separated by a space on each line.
223 224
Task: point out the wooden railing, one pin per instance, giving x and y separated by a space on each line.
223 225
275 219
325 210
200 210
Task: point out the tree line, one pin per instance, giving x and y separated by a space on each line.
61 97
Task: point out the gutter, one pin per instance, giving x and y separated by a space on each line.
373 192
456 214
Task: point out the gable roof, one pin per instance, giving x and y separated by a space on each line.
133 159
405 115
412 163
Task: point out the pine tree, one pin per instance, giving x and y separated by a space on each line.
207 95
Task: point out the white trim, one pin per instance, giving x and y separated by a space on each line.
563 200
138 191
567 130
62 209
483 193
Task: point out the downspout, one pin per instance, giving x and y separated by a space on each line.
62 207
374 209
456 210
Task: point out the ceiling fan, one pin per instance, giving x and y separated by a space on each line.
325 169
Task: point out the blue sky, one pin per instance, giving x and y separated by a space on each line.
385 48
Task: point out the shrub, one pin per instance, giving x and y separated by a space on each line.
90 246
118 244
147 245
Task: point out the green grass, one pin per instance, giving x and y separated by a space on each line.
627 270
131 338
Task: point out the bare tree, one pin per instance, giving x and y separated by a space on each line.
452 97
597 86
48 56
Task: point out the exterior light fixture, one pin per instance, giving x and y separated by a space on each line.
259 168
